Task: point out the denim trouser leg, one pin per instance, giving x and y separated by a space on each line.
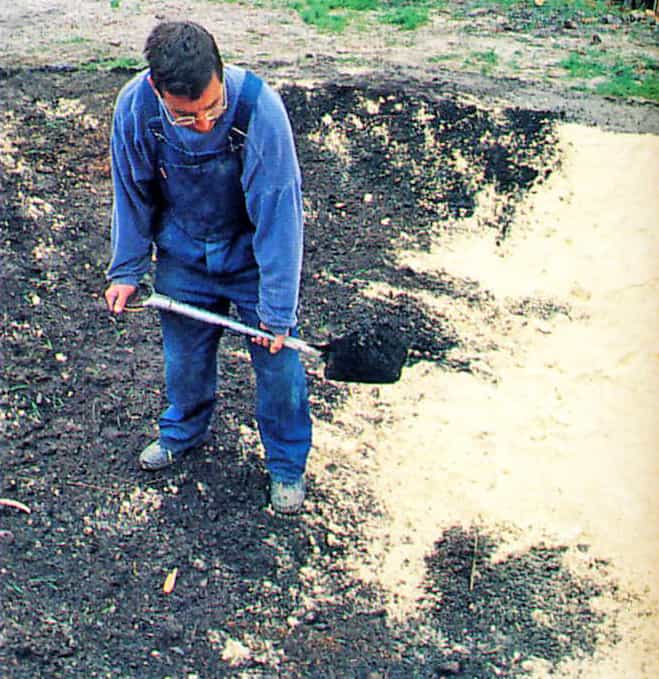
190 349
282 407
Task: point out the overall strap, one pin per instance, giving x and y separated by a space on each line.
249 93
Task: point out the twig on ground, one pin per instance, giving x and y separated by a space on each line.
82 484
472 575
170 581
6 502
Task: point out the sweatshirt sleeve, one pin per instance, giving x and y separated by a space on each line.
134 199
273 195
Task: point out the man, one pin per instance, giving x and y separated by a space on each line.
204 167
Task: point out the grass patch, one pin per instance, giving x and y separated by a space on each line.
440 58
331 15
485 60
589 65
583 8
639 80
125 63
617 77
318 13
335 15
408 17
487 57
74 40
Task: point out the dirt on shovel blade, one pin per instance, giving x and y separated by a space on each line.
375 355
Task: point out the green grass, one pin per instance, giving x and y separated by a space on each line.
321 14
487 57
407 17
588 65
583 8
74 40
128 63
331 15
616 77
439 58
484 60
336 15
563 8
632 81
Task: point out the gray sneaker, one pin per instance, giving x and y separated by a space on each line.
154 457
287 498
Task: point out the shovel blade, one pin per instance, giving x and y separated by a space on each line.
374 356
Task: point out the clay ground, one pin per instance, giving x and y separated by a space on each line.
491 514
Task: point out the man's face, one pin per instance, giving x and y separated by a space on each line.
205 110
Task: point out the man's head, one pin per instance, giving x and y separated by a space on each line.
183 58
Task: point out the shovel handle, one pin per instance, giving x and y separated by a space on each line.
165 303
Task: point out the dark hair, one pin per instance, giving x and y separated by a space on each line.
182 57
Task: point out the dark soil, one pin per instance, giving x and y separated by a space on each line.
81 576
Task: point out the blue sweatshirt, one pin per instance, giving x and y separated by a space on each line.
270 179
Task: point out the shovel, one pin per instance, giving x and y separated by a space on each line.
375 356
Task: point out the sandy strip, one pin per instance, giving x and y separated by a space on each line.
561 446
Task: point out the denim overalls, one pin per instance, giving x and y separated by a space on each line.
205 258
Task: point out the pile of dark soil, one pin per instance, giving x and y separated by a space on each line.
81 576
491 609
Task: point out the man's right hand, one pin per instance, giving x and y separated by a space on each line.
117 295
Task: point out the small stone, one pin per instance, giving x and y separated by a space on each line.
172 630
235 653
450 668
310 617
200 565
332 540
6 537
111 433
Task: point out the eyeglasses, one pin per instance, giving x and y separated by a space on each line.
212 113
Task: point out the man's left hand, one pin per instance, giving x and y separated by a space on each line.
274 345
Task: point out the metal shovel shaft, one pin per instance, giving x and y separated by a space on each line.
165 303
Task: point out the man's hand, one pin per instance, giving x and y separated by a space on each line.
117 295
275 345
